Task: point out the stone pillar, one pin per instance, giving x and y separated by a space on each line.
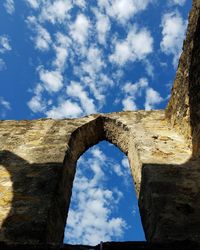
170 202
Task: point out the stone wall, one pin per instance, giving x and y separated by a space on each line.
38 163
184 105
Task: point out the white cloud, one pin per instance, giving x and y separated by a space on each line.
132 91
36 104
149 68
98 154
72 42
2 64
90 219
38 89
141 42
79 29
56 11
66 109
52 80
123 170
122 54
137 45
42 39
4 107
91 73
62 48
136 88
92 84
9 6
62 40
76 90
105 80
177 2
117 169
125 163
173 32
102 26
80 3
92 224
4 44
61 56
5 104
33 3
75 47
93 55
123 10
129 104
153 98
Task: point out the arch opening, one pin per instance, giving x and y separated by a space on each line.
85 136
104 206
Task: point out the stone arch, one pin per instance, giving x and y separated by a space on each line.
82 138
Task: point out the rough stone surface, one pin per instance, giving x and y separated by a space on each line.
184 105
38 163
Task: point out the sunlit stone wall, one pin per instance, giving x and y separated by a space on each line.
38 161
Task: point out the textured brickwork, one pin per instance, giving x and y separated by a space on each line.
184 105
38 161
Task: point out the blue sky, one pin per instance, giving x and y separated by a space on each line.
70 58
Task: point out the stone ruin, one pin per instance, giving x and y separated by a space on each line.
38 164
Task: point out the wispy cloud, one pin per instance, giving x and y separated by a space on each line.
33 3
5 106
52 80
9 6
137 45
123 10
102 25
42 38
66 109
4 44
80 3
90 219
5 103
173 32
62 47
132 91
36 104
56 11
177 2
2 64
76 90
153 98
79 29
91 49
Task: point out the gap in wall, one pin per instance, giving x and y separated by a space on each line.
104 205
